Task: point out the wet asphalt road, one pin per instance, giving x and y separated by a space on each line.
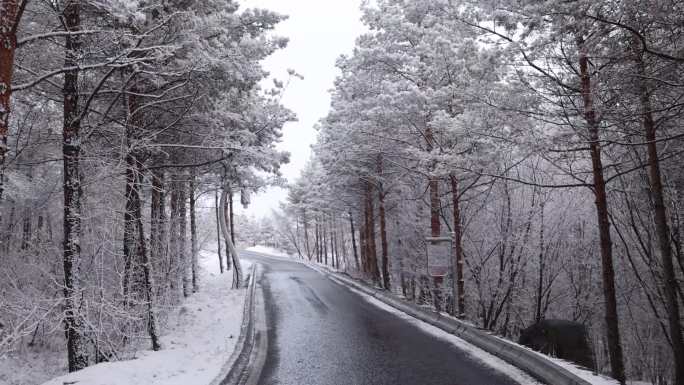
320 333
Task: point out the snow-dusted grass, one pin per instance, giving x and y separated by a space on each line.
201 337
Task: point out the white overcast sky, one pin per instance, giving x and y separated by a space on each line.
319 32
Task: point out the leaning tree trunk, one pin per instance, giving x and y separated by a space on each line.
237 269
603 216
660 216
71 147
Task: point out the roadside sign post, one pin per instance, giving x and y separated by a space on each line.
439 259
438 264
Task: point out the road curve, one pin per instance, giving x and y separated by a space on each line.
320 333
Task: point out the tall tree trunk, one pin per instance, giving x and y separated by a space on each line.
7 236
146 264
435 231
602 213
218 230
193 234
185 263
157 220
306 234
226 214
231 217
237 269
336 251
316 248
539 314
71 147
130 249
660 215
353 237
383 239
372 248
324 240
459 293
174 253
363 238
12 11
131 242
26 228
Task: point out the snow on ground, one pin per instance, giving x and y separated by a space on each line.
268 250
32 365
201 337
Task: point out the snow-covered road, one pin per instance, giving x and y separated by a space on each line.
320 333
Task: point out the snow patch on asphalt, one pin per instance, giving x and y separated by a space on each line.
201 338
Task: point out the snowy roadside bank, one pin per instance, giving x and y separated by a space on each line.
200 339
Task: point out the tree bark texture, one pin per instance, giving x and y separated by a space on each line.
603 218
71 146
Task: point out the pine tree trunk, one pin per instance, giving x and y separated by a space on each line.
383 231
129 237
26 228
435 231
226 214
660 216
459 293
353 236
324 240
306 235
336 251
372 248
316 242
146 264
174 257
185 262
231 216
9 20
71 147
193 235
157 220
218 230
602 213
363 238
